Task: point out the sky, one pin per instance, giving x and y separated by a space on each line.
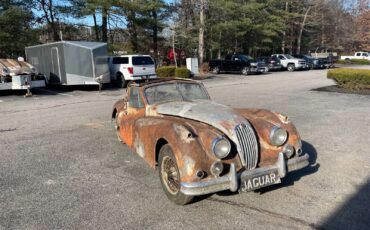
88 21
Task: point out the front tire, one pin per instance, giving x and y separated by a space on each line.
216 70
245 71
170 176
291 67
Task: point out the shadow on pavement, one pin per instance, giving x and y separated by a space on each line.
57 89
353 214
13 92
292 177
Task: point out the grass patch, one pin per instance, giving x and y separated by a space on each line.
355 61
354 79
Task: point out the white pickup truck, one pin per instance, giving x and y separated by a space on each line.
126 68
291 63
358 55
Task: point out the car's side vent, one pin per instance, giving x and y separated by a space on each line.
247 146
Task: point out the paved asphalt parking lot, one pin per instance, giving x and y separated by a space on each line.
61 166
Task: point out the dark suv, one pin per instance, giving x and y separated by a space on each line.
313 63
272 63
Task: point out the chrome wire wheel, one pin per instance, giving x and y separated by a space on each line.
170 175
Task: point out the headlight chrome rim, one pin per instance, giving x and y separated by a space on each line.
216 142
278 140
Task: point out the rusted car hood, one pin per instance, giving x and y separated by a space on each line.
219 116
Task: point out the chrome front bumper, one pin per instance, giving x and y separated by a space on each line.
231 181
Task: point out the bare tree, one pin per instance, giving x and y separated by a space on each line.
48 9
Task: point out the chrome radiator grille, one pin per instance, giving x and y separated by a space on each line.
247 146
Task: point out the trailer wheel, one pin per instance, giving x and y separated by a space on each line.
121 81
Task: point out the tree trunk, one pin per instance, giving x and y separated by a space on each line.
219 48
201 31
301 30
322 30
104 28
96 27
155 33
283 42
173 47
52 23
133 31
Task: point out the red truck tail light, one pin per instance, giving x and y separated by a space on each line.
130 70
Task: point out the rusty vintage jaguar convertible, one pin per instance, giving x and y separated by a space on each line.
202 147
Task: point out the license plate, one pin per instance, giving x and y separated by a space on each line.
252 183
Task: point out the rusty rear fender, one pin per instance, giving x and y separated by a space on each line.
118 107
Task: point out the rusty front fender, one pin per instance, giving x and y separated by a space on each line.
151 133
263 121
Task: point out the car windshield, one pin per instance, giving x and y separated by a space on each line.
245 57
175 92
289 56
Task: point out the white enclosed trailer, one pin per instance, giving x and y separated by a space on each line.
71 62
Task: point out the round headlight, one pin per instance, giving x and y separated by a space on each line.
278 136
221 147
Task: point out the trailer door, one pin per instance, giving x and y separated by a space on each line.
56 64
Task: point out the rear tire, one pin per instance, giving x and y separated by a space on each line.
170 176
291 67
121 81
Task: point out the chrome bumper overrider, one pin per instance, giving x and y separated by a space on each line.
232 179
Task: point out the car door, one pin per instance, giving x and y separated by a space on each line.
237 64
135 110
